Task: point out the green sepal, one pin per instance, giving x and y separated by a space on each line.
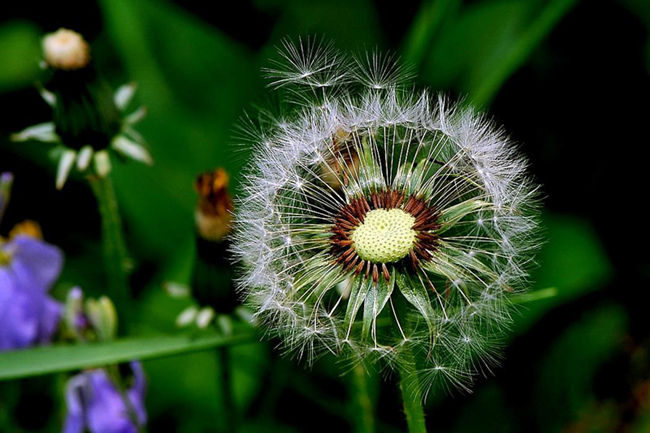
358 295
416 294
454 263
370 176
451 215
376 299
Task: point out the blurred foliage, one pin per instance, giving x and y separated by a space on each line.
568 78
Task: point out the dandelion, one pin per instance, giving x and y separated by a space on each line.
89 120
381 223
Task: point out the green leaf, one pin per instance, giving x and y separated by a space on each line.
489 41
565 382
485 86
54 359
20 50
572 261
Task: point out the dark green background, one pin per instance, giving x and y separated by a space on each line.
568 79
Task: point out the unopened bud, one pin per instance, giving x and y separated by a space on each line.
214 211
66 49
103 317
73 313
205 316
186 316
6 179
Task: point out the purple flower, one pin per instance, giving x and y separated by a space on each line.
94 403
28 268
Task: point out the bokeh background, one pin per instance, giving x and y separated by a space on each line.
569 80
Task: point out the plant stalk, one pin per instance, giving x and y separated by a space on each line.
225 385
412 395
363 416
116 258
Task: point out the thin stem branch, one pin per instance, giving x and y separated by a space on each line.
116 259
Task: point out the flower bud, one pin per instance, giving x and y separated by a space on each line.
6 180
73 314
187 316
212 277
89 320
66 49
101 314
88 118
204 317
214 210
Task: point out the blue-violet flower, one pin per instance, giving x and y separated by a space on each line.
28 268
96 405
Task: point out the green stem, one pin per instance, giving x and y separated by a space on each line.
363 416
412 395
225 385
116 259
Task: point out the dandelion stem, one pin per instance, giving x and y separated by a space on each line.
225 385
116 258
363 416
411 394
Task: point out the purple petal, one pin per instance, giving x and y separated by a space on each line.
25 317
74 420
106 411
95 404
50 316
137 392
36 264
18 322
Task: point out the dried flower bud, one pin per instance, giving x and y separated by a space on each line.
214 211
66 49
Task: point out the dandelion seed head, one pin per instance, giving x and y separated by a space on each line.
378 219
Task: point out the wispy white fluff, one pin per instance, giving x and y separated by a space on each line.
452 312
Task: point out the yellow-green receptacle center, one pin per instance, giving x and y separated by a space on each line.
385 236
